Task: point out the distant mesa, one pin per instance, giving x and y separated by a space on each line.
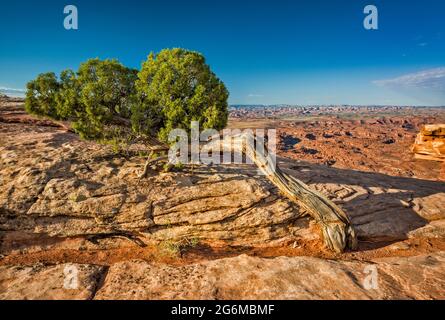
6 98
9 92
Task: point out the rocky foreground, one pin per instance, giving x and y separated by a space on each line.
70 208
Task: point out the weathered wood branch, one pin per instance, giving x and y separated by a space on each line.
337 230
150 162
338 233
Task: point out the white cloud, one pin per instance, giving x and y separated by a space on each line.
12 90
428 79
252 95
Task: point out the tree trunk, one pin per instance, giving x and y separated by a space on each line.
338 233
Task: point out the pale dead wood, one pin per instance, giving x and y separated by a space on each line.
338 233
336 226
155 146
151 162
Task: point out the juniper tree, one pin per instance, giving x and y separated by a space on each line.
96 99
176 87
41 95
105 100
173 88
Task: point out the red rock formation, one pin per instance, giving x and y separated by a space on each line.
430 143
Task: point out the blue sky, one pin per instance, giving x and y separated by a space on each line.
267 52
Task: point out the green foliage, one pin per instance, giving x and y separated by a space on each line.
179 166
176 87
107 85
105 93
177 248
143 154
167 167
67 99
107 102
41 94
97 99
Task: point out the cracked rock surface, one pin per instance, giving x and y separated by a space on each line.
56 185
66 202
279 278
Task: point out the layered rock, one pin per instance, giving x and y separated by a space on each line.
419 277
65 200
40 282
280 278
430 143
55 185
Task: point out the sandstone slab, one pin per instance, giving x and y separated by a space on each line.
40 282
279 278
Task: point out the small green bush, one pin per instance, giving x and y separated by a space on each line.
41 96
108 102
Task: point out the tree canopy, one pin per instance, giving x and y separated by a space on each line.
176 87
41 95
104 99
